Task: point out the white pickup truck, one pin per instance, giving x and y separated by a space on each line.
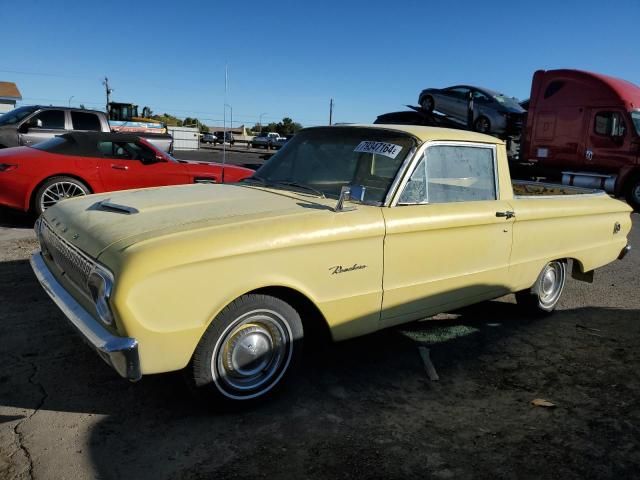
265 140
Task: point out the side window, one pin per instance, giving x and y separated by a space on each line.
114 150
460 92
452 174
49 119
480 97
609 124
415 191
85 121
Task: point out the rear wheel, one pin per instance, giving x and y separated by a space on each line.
56 189
482 125
428 104
248 350
633 192
544 295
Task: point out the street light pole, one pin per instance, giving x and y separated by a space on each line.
231 108
260 120
70 99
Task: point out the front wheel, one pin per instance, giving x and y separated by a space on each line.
544 295
248 350
56 189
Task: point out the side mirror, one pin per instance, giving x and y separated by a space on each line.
24 128
150 159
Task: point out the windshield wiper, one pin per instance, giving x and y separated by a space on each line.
301 186
282 183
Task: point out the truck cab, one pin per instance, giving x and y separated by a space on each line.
585 127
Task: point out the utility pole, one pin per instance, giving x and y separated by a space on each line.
108 90
331 112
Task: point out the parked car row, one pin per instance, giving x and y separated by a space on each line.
217 137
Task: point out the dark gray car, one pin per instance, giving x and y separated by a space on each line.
493 112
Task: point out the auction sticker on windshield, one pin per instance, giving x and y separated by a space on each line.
387 149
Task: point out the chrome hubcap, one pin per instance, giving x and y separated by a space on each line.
636 192
59 191
553 278
483 125
252 354
428 103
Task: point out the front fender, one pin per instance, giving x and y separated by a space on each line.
168 292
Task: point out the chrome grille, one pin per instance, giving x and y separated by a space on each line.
76 265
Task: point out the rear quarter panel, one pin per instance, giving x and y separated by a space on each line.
580 227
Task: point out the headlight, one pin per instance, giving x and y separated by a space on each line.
100 284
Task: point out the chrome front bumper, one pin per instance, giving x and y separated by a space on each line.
119 352
624 251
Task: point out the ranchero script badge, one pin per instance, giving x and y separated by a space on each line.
340 269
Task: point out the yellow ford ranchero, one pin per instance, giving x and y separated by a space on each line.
349 229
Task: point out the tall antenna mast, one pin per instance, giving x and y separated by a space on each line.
108 90
224 120
331 112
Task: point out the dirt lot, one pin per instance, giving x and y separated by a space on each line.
360 409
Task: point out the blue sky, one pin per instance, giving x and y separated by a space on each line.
290 58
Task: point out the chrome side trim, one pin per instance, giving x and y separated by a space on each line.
406 163
119 352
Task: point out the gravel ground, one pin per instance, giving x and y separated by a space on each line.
359 409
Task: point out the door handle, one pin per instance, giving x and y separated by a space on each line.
119 167
507 214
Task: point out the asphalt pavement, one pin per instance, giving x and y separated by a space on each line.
233 155
364 408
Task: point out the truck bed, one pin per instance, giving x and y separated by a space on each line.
523 188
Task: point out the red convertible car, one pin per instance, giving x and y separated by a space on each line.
35 178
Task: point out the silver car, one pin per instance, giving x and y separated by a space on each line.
493 112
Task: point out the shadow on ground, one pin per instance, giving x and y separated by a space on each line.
16 219
362 408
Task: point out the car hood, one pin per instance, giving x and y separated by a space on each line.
95 222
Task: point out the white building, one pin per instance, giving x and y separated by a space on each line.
9 95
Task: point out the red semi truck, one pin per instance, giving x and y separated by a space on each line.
584 128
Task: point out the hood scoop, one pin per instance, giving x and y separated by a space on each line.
108 206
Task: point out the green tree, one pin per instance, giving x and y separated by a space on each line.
288 127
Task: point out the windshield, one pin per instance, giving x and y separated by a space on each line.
507 101
327 158
14 116
635 116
